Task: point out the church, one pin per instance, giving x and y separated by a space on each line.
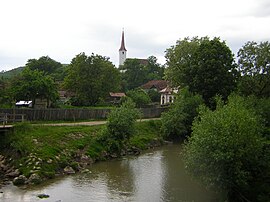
167 94
123 53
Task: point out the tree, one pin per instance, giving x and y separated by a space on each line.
5 98
139 97
154 95
33 84
154 70
120 126
135 72
254 65
91 78
205 66
227 150
44 63
177 122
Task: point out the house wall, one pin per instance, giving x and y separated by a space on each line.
166 98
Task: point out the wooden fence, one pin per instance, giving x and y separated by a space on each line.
6 118
74 114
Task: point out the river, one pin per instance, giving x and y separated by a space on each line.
156 175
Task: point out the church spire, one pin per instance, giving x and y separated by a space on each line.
123 48
122 51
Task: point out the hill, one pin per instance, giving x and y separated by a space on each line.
11 73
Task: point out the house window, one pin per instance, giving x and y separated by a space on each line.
170 99
163 99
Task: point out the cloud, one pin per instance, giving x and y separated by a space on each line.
262 8
64 28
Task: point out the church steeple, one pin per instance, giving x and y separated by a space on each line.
122 50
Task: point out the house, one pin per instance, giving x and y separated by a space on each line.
167 95
166 92
156 85
116 97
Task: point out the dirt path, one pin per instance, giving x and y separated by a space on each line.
88 123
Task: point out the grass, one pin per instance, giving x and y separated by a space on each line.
146 133
47 150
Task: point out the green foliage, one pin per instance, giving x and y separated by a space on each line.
254 65
147 133
91 78
139 97
45 64
54 148
177 122
227 150
154 95
261 107
33 84
205 66
5 98
11 73
135 73
154 70
120 125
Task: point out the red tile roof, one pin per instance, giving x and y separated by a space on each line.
158 84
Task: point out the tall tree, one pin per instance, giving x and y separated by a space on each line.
44 63
33 84
254 65
154 70
205 66
133 74
227 150
136 72
91 78
5 98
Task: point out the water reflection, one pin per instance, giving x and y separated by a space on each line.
149 182
154 176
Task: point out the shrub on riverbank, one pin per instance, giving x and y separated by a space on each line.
120 126
227 149
177 122
48 150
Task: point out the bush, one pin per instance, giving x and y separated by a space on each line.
176 123
139 97
227 150
154 95
120 125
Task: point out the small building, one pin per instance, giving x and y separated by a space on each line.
116 97
167 95
24 104
156 85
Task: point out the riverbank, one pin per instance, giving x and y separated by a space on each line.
31 154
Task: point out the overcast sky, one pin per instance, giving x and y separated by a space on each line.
62 29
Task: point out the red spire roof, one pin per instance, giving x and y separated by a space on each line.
123 48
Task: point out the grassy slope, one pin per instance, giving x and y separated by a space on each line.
47 150
11 73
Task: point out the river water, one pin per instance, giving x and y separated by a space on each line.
156 175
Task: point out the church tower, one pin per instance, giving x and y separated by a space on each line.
122 51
